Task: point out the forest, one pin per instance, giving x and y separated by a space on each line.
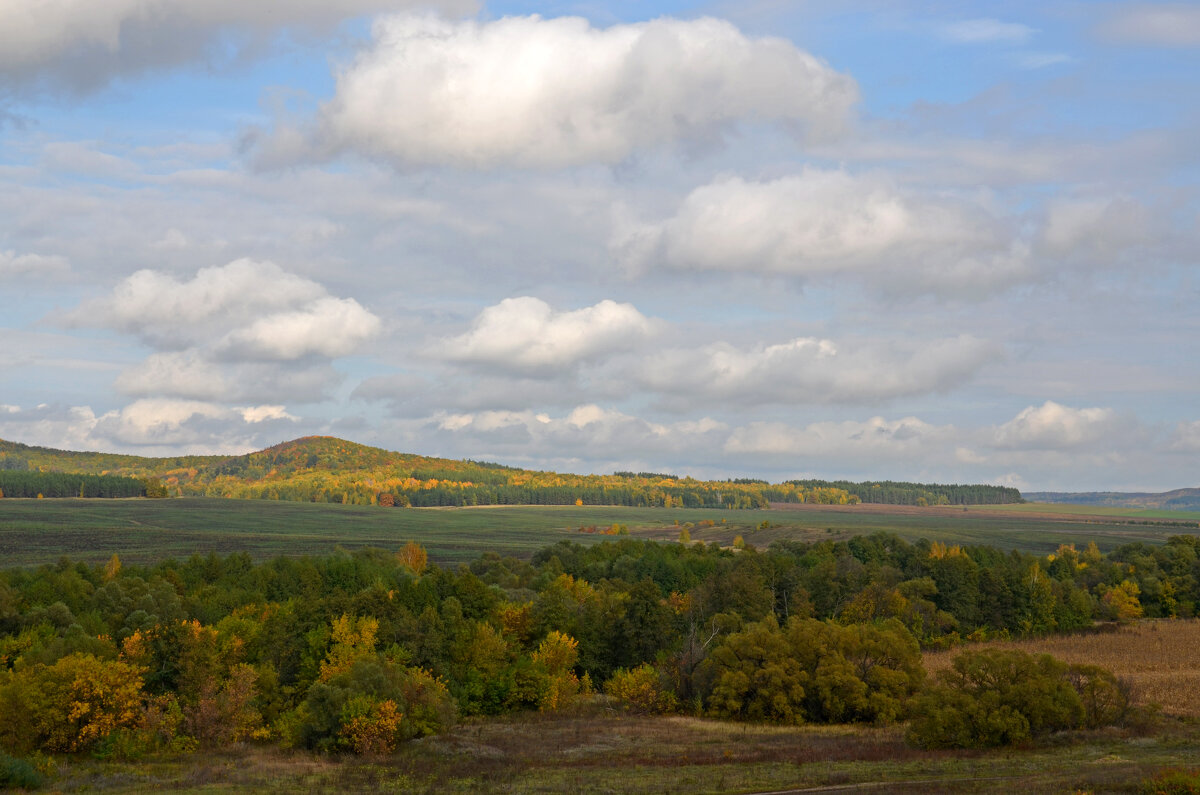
356 653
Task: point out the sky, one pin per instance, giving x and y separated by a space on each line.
934 241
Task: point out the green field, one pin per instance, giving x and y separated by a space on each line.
33 532
1144 514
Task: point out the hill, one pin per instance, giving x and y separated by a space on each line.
1177 500
328 469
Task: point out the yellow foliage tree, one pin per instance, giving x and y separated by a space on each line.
353 639
1122 602
556 655
413 557
516 620
71 705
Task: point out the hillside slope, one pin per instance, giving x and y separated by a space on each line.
327 469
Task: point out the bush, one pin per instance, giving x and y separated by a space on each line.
813 671
369 708
993 697
1173 782
640 690
19 773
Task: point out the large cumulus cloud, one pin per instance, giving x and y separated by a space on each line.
247 330
527 334
830 225
528 91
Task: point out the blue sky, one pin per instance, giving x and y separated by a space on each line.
925 240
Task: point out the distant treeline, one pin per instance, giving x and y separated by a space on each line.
889 492
18 483
326 469
533 489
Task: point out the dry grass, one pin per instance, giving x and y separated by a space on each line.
594 751
1161 658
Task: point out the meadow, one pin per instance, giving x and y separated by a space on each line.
597 749
33 532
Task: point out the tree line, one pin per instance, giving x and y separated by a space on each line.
889 492
18 483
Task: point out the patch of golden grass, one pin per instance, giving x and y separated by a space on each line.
1160 657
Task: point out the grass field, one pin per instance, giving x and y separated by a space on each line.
33 532
1158 657
596 750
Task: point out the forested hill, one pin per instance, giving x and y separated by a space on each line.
327 469
1177 500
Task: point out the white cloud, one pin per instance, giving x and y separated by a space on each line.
1186 437
164 311
60 427
31 266
589 431
264 311
1099 229
177 374
1160 24
82 44
243 331
829 224
329 327
527 334
814 371
981 31
874 440
150 427
1053 426
194 374
528 91
197 426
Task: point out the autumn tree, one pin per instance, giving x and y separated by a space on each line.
413 557
71 705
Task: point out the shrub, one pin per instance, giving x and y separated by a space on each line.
370 707
993 697
813 671
1173 782
19 773
640 690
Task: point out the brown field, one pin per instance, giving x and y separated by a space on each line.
1161 658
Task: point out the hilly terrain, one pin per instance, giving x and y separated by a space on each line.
331 470
1177 500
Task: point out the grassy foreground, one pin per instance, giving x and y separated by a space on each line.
596 750
33 532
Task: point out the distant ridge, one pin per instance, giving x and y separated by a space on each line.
1177 500
328 469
